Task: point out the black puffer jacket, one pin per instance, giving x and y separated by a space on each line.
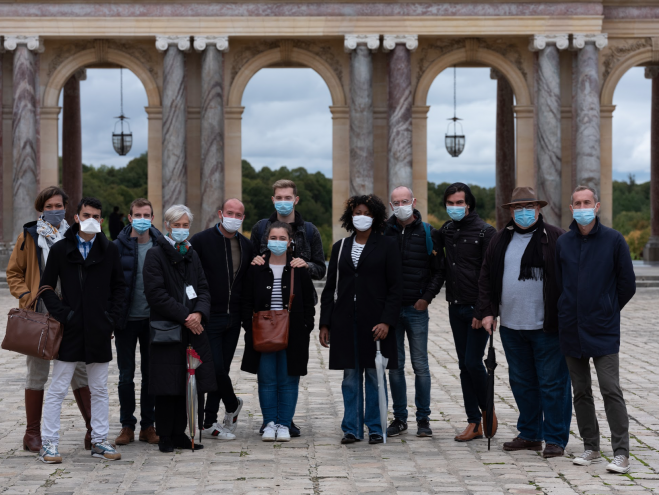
464 244
166 273
421 277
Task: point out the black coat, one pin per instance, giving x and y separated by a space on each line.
88 314
214 251
421 277
596 279
127 247
256 296
166 273
377 285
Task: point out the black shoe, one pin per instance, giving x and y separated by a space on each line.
375 438
423 428
396 427
262 428
165 445
183 442
349 438
294 430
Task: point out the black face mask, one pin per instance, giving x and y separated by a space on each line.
54 217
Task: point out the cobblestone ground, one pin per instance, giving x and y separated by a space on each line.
317 463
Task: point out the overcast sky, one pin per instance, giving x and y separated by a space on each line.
287 122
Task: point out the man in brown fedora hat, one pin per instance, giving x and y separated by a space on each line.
518 285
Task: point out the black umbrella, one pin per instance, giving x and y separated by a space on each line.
490 364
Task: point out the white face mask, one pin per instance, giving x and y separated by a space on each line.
403 212
362 222
231 224
90 226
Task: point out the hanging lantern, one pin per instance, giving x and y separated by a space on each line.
455 142
122 141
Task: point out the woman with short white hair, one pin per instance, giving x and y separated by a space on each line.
179 300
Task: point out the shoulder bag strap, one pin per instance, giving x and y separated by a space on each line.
33 303
336 285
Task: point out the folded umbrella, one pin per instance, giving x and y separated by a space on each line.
490 364
194 361
380 367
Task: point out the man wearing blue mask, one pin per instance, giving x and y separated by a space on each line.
596 279
461 244
133 242
518 284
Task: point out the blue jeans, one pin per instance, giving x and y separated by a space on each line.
415 324
470 346
125 342
540 382
352 388
277 390
223 333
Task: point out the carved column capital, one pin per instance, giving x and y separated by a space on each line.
220 42
651 72
599 40
495 74
372 41
540 41
164 42
33 43
390 41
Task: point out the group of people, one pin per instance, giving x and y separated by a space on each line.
557 297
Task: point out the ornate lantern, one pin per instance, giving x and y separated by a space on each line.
455 143
122 141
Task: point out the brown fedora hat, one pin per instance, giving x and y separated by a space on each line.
524 195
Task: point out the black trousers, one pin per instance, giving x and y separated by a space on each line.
171 415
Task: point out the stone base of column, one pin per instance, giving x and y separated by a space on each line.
5 252
651 249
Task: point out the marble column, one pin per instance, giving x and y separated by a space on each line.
24 124
212 125
548 107
399 145
72 143
651 250
361 111
587 104
174 120
505 146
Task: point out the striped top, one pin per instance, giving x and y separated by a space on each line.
276 301
356 252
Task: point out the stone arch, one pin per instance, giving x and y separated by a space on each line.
634 59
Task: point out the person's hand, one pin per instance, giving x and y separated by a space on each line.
259 260
299 263
324 336
380 331
193 322
489 324
476 324
421 305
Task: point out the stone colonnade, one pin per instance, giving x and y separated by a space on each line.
651 251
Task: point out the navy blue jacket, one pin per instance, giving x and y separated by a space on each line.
127 247
596 279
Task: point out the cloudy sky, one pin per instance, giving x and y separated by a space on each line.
287 122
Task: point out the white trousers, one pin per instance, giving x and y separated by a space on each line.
97 376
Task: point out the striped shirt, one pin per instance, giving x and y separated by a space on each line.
85 247
276 301
356 252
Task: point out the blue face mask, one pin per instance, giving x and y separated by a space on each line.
277 247
525 217
456 213
141 225
584 216
284 208
179 235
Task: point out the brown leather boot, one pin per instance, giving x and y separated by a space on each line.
126 435
521 444
149 435
495 422
33 407
84 400
472 431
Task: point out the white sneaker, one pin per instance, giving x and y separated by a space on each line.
620 465
270 432
283 435
218 431
587 458
231 419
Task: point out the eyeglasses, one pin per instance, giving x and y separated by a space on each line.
405 202
529 206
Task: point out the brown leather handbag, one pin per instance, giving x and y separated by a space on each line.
33 334
270 328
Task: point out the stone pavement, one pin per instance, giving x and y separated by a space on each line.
317 463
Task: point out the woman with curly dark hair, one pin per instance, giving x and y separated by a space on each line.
360 305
